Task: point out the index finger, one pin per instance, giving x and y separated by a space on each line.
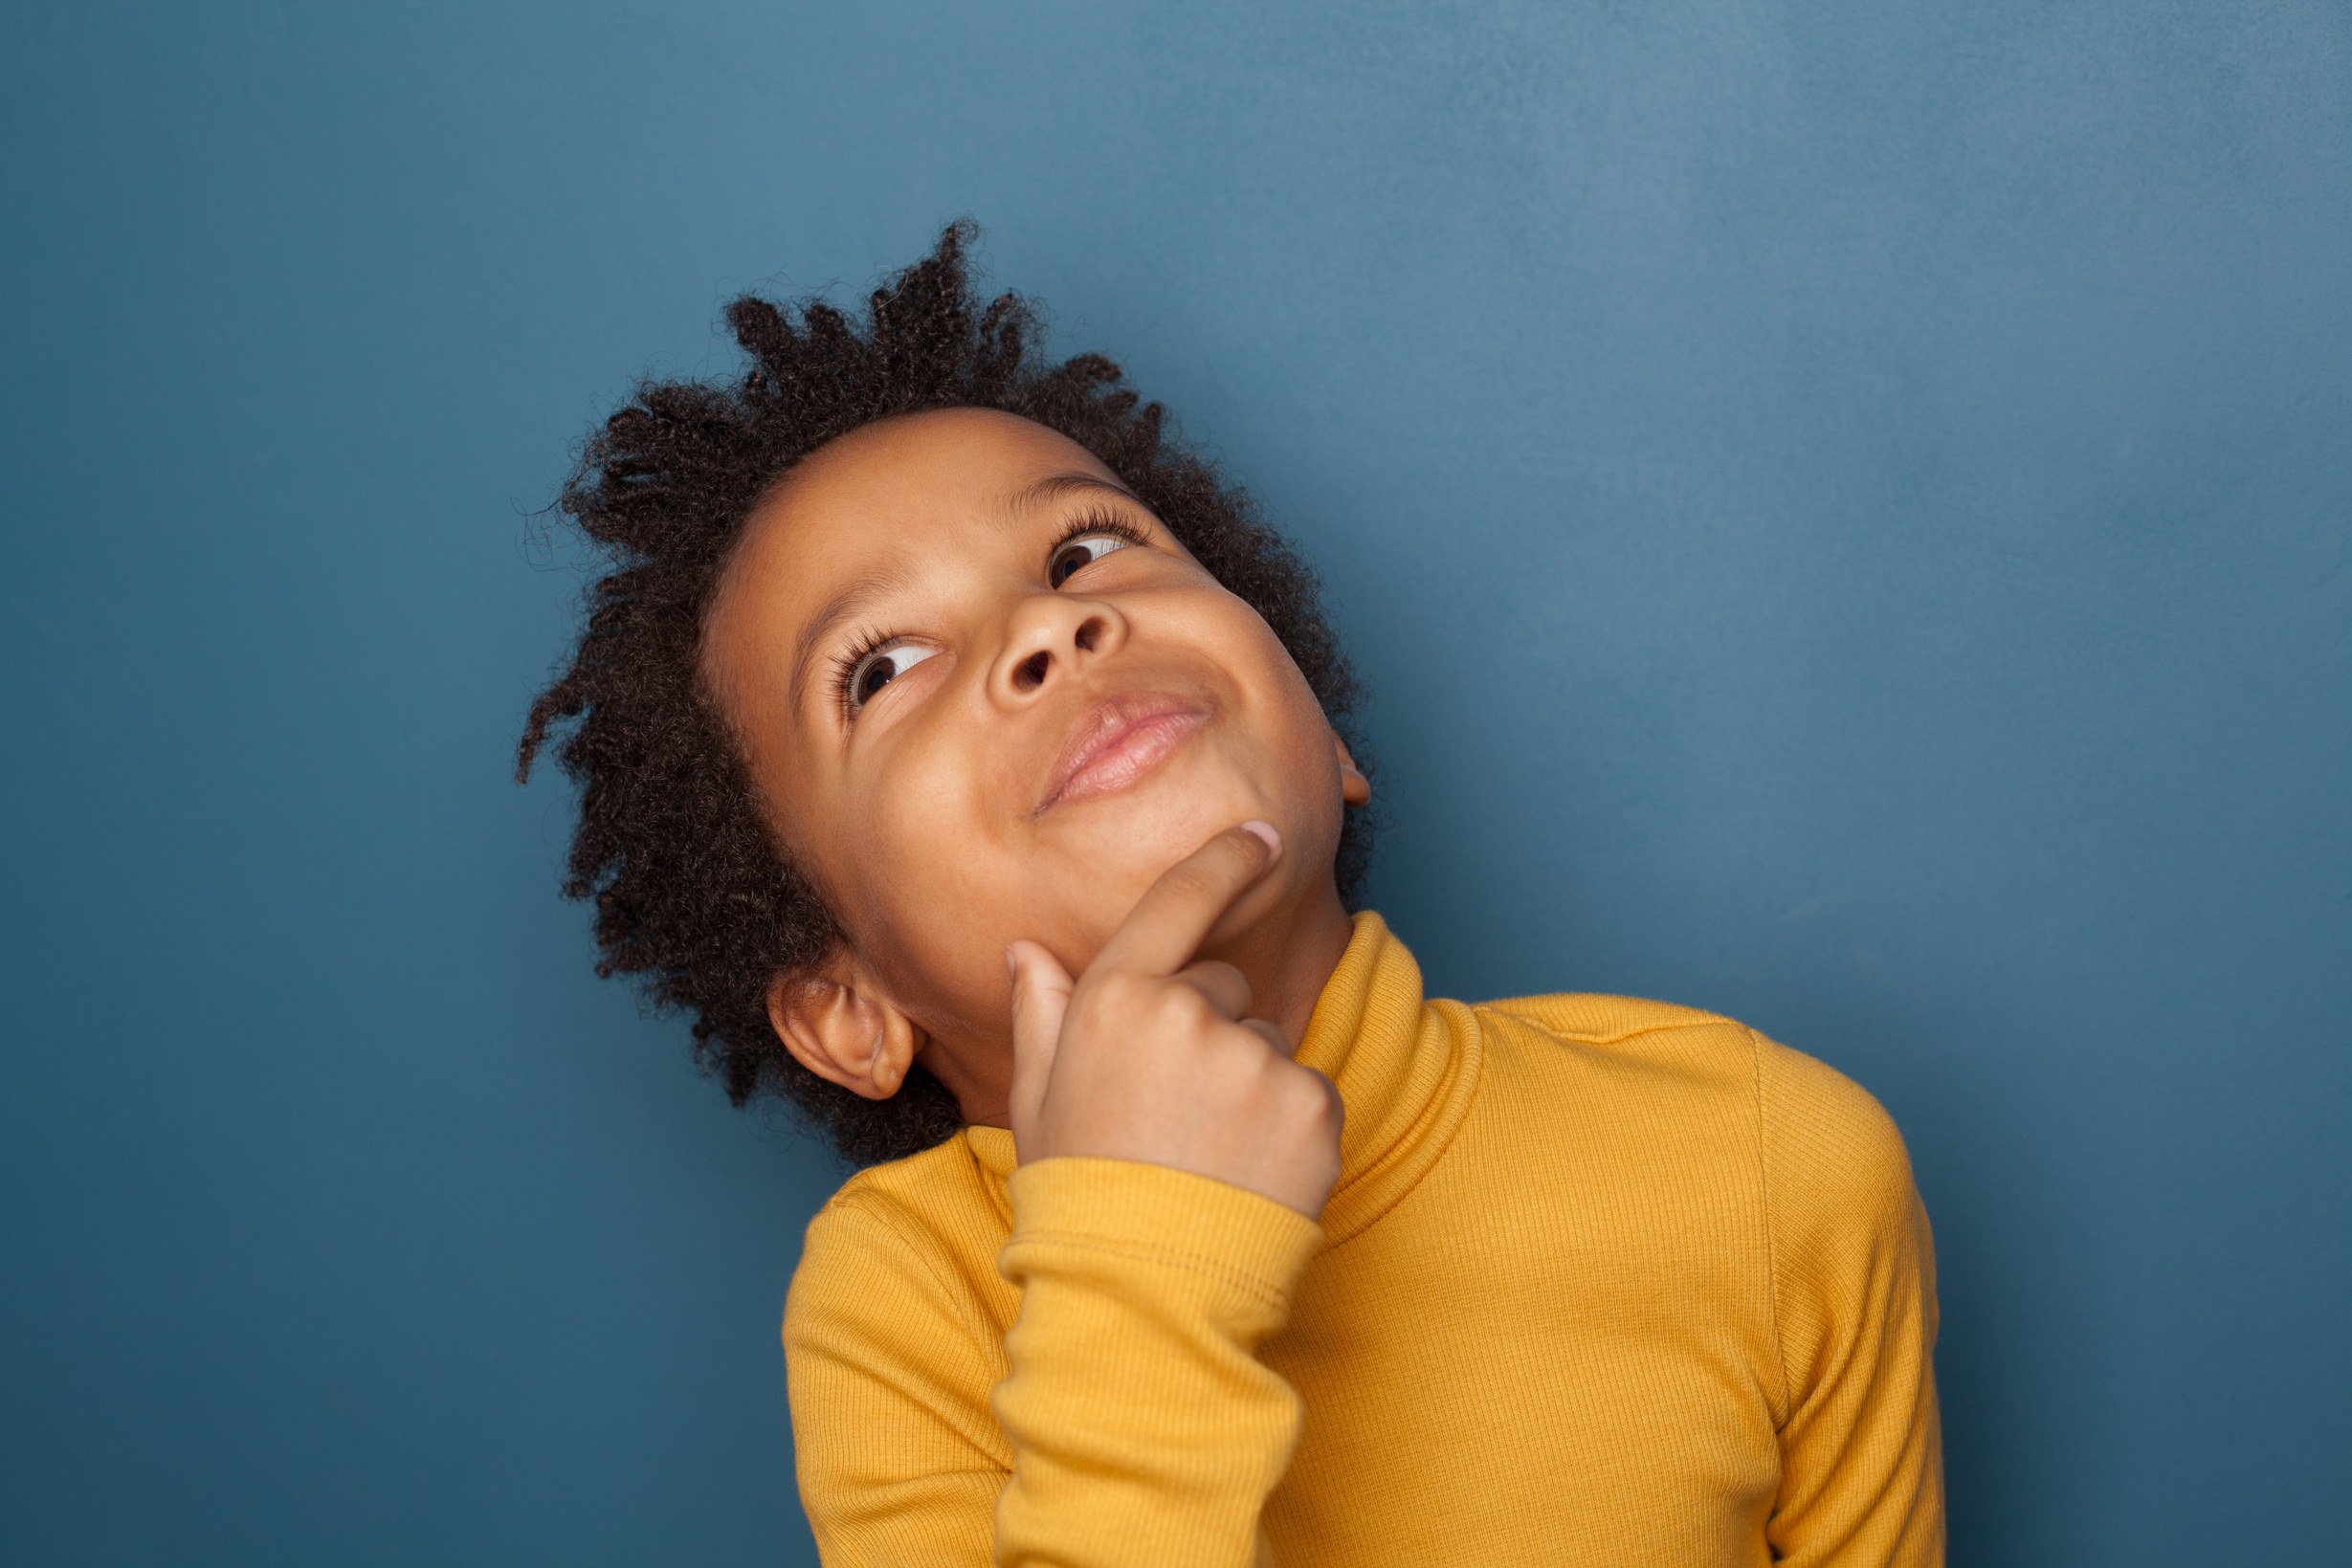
1169 922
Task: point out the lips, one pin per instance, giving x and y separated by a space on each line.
1116 742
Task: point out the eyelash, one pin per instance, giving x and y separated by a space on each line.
1094 519
845 665
1099 519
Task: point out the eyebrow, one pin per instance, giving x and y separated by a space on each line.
1055 486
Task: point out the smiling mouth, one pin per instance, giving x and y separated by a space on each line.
1116 743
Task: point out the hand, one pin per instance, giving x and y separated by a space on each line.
1148 1055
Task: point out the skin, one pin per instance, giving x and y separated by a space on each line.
1114 961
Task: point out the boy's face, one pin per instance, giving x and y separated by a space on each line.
985 696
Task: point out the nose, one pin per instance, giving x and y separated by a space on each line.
1049 637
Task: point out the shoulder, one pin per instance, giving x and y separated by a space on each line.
1684 1088
1627 1040
903 1236
1814 1104
900 1200
1596 1018
1848 1232
1826 1150
1834 1158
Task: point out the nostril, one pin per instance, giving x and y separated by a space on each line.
1089 634
1030 674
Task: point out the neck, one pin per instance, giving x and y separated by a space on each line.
1287 957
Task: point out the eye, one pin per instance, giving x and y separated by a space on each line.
879 669
1082 551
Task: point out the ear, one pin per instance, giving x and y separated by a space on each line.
838 1024
1354 787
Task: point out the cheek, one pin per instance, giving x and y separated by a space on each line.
1310 760
923 874
1295 733
953 870
928 844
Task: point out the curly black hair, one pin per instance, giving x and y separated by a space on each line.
693 891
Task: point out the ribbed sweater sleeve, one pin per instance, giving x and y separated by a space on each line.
1144 1430
1135 1424
1854 1310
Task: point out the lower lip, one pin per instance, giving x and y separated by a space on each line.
1136 752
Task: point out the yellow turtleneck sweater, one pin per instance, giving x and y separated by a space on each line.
1603 1282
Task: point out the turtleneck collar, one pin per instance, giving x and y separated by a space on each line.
1405 1067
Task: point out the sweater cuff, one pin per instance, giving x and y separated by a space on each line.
1159 1214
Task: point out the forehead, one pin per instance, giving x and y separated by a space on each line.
951 467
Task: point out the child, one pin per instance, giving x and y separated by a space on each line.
976 769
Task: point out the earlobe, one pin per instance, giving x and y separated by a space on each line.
836 1024
1354 787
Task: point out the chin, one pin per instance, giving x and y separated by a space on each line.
1161 819
1122 845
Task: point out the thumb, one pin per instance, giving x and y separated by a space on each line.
1040 995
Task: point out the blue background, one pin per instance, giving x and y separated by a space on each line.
1846 511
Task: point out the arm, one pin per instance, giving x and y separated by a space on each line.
1144 1430
1136 1424
1854 1299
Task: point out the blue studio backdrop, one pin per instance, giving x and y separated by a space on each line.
1845 511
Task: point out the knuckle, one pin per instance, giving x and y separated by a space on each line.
1310 1097
1140 1009
1182 1008
1235 1059
1089 1015
1115 992
1227 978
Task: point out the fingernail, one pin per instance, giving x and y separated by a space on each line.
1012 970
1265 830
